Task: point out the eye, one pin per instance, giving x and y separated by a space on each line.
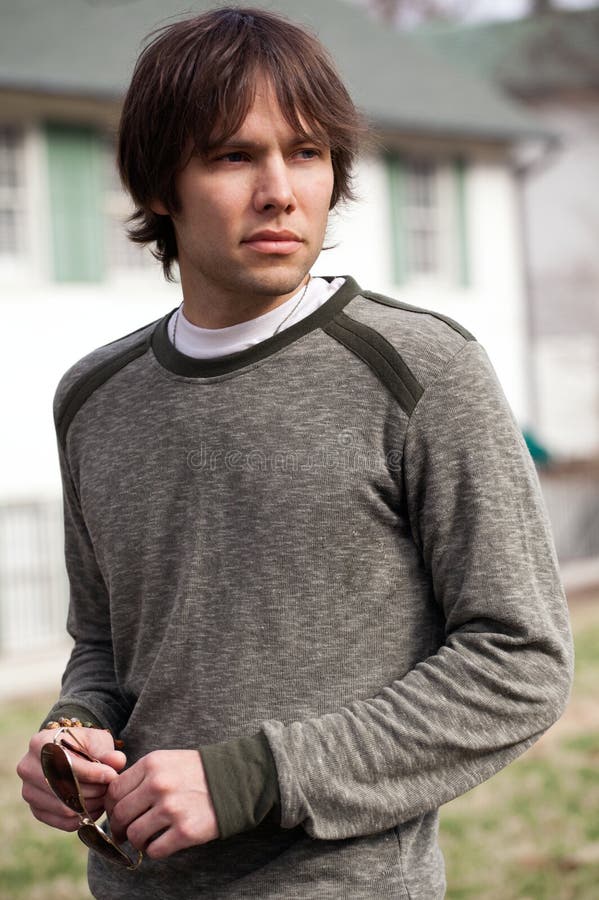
234 156
308 153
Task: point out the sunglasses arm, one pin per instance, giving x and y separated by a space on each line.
80 749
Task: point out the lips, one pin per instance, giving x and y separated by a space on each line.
280 243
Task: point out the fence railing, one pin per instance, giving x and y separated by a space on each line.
571 493
33 581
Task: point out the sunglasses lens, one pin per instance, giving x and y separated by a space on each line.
94 838
58 772
61 778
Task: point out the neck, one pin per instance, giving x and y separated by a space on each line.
209 309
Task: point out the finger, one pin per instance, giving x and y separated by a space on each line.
97 743
114 758
180 835
37 792
125 783
93 791
45 804
108 805
62 818
51 811
144 829
45 801
95 810
92 772
128 810
29 769
164 845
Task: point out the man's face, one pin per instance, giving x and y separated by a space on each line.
253 211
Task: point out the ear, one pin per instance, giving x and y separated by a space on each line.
158 207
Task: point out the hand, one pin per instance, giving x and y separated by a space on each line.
162 803
93 777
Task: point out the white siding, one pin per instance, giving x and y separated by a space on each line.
48 328
567 369
563 232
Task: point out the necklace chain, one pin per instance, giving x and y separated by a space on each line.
277 329
289 314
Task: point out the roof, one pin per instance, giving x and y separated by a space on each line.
536 56
88 47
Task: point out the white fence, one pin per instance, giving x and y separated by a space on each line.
33 581
572 498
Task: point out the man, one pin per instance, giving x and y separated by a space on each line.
303 533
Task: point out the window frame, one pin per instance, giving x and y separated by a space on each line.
444 218
15 197
125 260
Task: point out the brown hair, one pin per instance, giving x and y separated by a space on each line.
195 81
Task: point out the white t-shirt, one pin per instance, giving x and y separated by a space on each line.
208 343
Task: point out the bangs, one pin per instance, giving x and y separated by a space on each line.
227 96
304 124
193 86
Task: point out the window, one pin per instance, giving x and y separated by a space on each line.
427 198
422 226
88 206
123 256
12 190
74 178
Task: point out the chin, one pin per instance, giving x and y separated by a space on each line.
276 284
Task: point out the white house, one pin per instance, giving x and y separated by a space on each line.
438 224
550 63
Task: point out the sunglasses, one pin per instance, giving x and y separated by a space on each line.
58 772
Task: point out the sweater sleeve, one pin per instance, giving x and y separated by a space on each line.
89 685
503 674
243 784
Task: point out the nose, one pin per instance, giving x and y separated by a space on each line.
274 190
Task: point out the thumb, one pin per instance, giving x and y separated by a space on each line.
114 758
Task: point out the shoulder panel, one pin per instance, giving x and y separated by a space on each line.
380 356
80 382
390 301
426 341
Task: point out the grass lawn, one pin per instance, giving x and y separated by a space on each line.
36 862
530 833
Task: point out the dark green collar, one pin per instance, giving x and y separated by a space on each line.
180 364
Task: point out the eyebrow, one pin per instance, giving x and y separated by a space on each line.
232 144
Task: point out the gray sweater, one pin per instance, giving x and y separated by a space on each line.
325 563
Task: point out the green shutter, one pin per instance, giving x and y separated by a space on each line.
461 230
395 174
76 189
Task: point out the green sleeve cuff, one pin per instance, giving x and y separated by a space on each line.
243 783
70 711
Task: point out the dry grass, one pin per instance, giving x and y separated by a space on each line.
532 831
36 862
